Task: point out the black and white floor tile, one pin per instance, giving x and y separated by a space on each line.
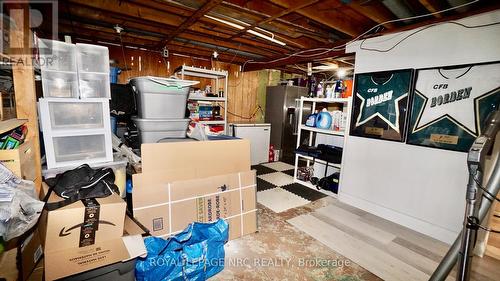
276 189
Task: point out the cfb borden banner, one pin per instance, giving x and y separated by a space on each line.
380 104
450 105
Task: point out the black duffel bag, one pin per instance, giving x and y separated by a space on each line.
81 183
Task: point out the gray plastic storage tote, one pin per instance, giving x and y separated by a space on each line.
161 98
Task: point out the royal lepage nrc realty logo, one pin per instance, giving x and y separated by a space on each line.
41 16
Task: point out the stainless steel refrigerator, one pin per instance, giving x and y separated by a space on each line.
282 112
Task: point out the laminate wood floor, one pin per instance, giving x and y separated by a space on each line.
388 250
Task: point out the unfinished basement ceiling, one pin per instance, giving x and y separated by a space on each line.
235 28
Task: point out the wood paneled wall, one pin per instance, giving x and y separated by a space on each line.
247 90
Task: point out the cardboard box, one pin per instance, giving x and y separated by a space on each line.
81 237
83 223
169 210
8 268
31 252
20 161
195 181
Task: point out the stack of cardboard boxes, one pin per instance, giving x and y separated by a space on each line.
180 183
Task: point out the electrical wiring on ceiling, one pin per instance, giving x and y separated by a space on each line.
342 46
422 29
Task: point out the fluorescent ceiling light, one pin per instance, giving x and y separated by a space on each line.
331 66
341 73
226 22
266 37
249 31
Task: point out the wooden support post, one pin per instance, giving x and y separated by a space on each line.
24 81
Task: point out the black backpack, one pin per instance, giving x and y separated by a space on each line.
81 183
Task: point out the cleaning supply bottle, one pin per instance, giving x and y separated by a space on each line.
319 90
329 92
311 119
324 119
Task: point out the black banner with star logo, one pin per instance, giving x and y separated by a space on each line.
450 105
380 104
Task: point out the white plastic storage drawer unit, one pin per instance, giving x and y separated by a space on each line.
92 58
76 131
57 55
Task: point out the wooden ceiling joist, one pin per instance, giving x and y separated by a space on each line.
302 24
132 10
332 17
156 20
209 5
149 45
280 14
80 14
433 6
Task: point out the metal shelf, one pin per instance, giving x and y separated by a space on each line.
311 186
335 100
318 160
217 75
207 98
311 130
201 72
212 122
322 131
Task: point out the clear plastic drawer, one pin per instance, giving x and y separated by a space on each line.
57 55
94 85
59 84
71 115
92 58
76 148
74 114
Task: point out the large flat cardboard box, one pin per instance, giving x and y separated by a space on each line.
169 210
186 182
84 236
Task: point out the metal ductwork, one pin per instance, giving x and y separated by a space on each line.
455 3
399 8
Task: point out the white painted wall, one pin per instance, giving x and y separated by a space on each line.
421 188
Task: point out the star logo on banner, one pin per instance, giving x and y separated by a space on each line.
381 110
464 112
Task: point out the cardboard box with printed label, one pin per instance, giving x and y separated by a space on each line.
85 235
176 186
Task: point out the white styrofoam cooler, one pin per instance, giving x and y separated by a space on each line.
76 131
161 98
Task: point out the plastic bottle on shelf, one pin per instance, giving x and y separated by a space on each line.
329 92
319 90
311 119
324 119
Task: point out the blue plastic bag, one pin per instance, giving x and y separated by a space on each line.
197 253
